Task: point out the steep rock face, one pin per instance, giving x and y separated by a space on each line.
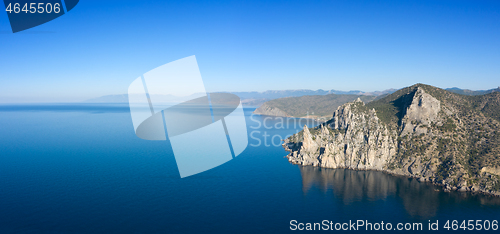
350 140
423 110
271 111
427 138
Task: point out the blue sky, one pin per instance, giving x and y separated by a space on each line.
100 47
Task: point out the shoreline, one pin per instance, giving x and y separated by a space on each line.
446 187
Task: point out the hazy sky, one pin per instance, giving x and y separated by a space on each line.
100 47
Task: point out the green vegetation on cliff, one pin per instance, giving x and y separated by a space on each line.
420 131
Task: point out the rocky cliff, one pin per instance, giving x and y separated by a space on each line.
419 131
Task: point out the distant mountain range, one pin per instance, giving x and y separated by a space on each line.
119 98
274 94
320 102
472 92
258 98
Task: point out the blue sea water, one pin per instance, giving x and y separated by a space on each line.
79 168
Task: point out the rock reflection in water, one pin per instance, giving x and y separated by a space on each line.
419 199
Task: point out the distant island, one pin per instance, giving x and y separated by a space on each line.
436 135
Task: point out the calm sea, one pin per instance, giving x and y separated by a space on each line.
81 169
